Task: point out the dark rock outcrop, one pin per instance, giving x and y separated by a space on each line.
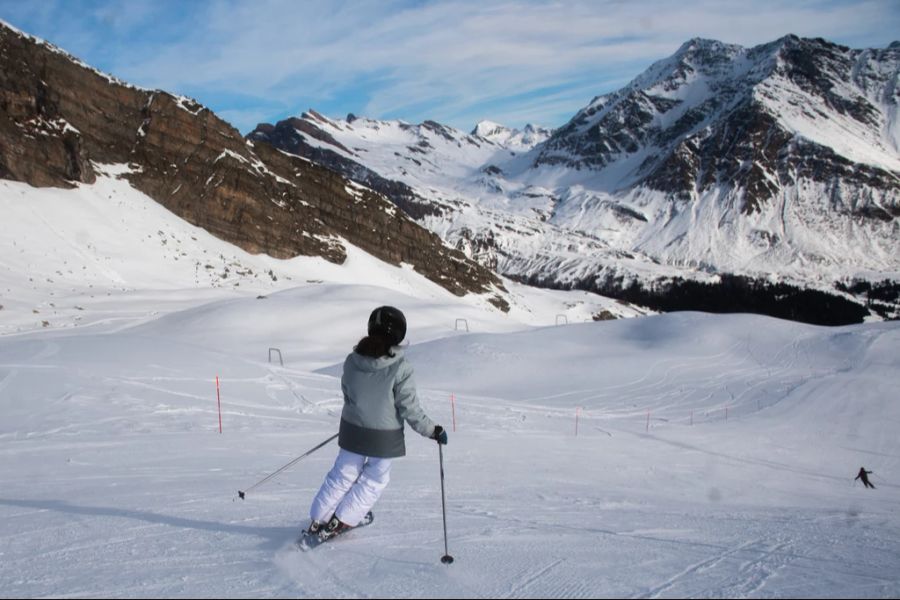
733 137
59 118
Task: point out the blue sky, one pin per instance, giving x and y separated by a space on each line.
456 62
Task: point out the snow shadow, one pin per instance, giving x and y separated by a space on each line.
274 537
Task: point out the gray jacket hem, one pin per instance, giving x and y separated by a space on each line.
378 443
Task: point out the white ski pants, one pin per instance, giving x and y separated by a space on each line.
351 488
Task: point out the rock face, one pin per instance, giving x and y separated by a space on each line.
59 117
755 120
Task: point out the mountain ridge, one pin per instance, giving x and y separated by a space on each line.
776 162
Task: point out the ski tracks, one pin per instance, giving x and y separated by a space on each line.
518 589
755 573
6 378
764 560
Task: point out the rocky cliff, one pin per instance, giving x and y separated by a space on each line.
758 120
59 118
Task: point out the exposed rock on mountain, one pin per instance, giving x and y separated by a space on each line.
59 118
753 121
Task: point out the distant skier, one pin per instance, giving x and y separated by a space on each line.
379 395
864 475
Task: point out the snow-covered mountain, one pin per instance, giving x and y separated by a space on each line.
780 158
422 156
512 139
773 163
450 182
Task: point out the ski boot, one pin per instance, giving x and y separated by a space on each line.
334 527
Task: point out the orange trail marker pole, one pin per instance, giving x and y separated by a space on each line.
453 410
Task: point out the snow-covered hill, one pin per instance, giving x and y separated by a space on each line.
671 455
106 253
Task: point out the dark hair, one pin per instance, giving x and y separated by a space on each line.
374 346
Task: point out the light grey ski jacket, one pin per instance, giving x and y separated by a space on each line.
379 395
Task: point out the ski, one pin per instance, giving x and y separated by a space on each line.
308 541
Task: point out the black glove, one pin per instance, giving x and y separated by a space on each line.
439 434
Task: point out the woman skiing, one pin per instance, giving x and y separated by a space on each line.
379 395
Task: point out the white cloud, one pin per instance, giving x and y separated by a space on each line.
450 55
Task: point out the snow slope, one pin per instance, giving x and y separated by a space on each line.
714 455
118 484
106 252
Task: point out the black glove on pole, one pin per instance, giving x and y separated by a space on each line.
439 435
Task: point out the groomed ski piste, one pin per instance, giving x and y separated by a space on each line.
714 455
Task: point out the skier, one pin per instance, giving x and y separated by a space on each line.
864 475
379 395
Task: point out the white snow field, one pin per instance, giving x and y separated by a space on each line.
714 455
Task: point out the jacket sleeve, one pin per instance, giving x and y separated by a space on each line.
407 402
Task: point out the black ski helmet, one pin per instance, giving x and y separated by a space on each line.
388 322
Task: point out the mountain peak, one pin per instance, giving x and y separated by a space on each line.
697 43
703 51
512 139
707 87
486 128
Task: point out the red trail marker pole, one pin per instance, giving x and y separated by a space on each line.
577 414
219 400
648 421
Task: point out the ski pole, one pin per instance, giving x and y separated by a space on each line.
446 559
287 466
